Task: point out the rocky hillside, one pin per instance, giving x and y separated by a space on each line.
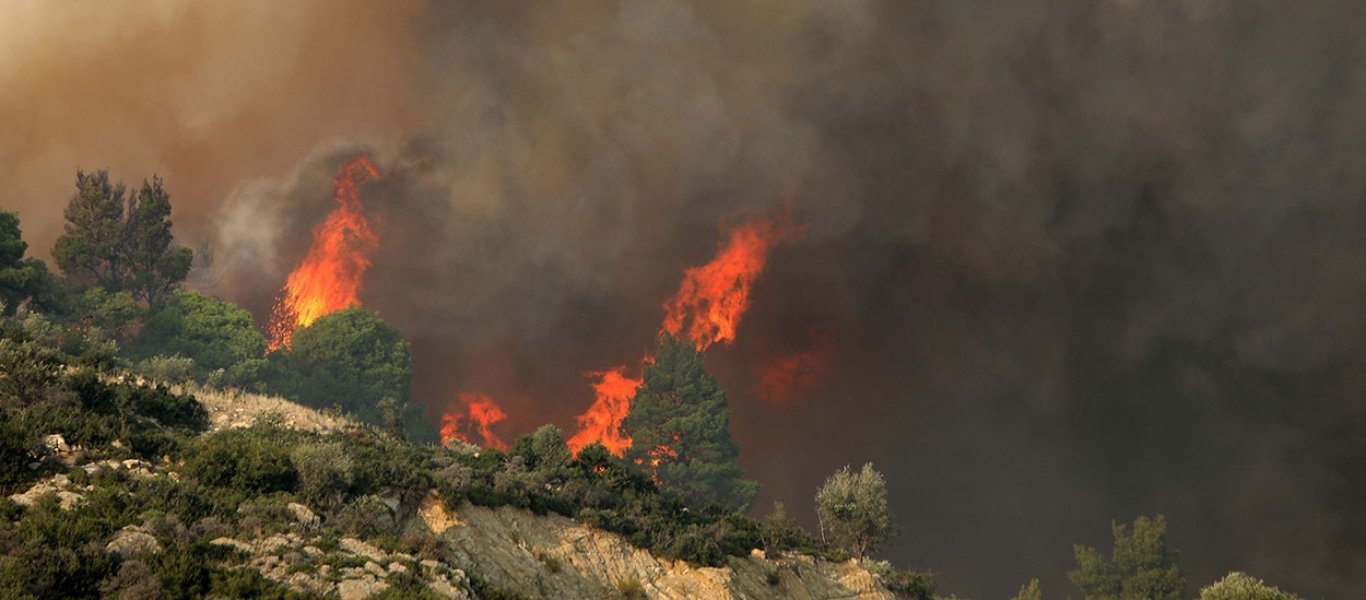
428 545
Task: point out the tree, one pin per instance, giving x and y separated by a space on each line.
20 278
1241 586
1140 566
853 509
350 359
121 243
214 333
679 425
1029 591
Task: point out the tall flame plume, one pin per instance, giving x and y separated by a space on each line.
713 297
706 309
602 421
331 273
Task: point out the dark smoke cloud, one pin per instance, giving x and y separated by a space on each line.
1077 260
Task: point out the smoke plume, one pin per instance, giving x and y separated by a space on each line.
1063 261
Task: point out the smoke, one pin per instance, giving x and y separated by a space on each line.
1077 260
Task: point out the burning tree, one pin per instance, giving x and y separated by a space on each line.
679 425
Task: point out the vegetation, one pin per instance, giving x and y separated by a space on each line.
121 243
679 425
70 405
217 336
853 510
349 359
1141 565
1029 591
20 278
1241 586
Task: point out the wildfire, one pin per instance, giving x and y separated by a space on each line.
472 413
602 422
707 309
330 275
713 297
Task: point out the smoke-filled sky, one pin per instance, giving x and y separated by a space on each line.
1064 261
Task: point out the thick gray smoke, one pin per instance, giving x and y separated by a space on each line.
1065 261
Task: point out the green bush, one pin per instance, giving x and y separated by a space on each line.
325 472
168 369
246 461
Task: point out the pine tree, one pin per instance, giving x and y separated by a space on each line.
20 278
679 426
1141 565
120 243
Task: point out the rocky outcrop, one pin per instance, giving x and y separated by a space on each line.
556 557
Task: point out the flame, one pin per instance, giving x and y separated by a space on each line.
475 412
330 275
713 297
602 422
706 309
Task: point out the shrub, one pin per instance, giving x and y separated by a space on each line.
243 461
366 516
325 472
168 369
631 589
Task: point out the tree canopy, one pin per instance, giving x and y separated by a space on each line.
853 509
214 333
1141 565
119 242
679 425
20 278
1241 586
350 359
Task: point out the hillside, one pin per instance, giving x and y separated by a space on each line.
131 489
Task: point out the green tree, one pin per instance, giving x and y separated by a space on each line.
679 425
20 278
1241 586
853 510
1029 591
349 359
118 242
214 333
1140 566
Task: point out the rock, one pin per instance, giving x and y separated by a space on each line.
446 590
227 541
363 549
303 515
376 570
359 589
312 551
434 515
273 543
131 541
56 444
397 567
69 500
430 565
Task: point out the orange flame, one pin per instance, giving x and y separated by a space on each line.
707 309
330 275
472 413
713 297
602 422
781 381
